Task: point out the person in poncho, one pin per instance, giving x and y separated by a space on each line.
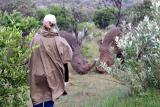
50 54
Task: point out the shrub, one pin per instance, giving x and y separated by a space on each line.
97 33
150 98
142 10
90 26
16 19
141 49
104 17
81 14
13 76
64 17
89 51
26 7
41 12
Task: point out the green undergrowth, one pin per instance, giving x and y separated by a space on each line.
150 98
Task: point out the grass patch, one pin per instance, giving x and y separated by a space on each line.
90 91
151 98
90 50
90 25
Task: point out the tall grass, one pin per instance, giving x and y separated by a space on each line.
150 98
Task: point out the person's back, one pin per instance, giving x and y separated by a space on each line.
46 65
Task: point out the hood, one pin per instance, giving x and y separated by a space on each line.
53 32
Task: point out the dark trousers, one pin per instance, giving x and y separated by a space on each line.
66 73
45 104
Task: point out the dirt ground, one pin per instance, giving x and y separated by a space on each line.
88 90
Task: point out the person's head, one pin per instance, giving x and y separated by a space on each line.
49 21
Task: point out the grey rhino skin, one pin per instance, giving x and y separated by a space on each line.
79 62
105 49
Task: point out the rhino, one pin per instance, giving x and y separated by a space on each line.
105 49
79 63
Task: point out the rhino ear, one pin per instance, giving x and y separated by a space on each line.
75 31
83 34
73 34
85 30
99 42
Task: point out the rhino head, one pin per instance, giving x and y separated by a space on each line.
105 49
79 63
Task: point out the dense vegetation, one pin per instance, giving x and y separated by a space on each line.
64 16
13 76
141 49
17 20
140 45
142 10
150 98
25 7
104 17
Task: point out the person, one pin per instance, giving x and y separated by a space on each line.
50 56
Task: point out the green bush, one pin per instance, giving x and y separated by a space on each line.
82 14
136 13
141 49
64 17
26 7
13 76
150 98
97 33
142 10
41 12
104 17
89 25
16 19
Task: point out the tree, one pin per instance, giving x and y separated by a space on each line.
63 16
26 7
117 4
104 17
141 10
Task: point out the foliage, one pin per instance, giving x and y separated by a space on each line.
104 17
16 19
84 13
89 25
97 33
150 98
13 76
90 50
81 14
41 12
26 7
63 16
141 49
142 10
